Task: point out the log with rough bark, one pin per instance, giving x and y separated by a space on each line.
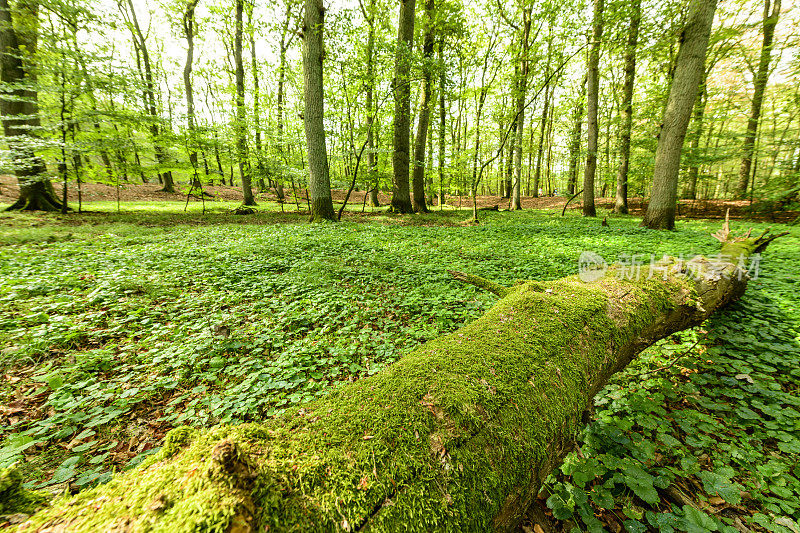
457 436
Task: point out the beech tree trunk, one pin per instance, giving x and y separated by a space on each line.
575 143
459 435
372 162
593 94
149 98
443 120
245 172
286 39
421 139
401 195
761 78
689 71
695 135
319 182
188 32
621 203
35 190
543 129
260 166
522 91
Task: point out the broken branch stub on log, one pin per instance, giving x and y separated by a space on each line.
456 436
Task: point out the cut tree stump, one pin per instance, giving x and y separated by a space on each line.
456 436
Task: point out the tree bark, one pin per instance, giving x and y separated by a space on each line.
689 70
421 139
245 172
149 97
319 183
442 120
593 82
621 203
372 163
522 91
401 195
286 39
260 166
459 435
760 85
188 32
696 134
543 129
19 109
575 144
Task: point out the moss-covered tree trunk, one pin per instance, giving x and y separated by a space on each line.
319 182
456 436
401 194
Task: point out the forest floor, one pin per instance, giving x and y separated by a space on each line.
116 327
94 194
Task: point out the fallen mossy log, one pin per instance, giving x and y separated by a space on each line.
456 436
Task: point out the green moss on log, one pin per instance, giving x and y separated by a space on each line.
455 436
13 497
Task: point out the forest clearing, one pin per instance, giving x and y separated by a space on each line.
399 265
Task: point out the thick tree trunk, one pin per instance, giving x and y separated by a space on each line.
459 435
760 85
621 203
35 190
245 172
593 94
319 183
421 139
689 70
401 195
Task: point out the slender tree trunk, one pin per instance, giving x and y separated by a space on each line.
241 112
401 195
260 167
760 85
442 120
319 183
575 144
421 139
188 31
621 203
104 158
593 82
696 134
150 100
689 70
522 91
372 163
285 41
543 127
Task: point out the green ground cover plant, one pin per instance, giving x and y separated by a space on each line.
118 327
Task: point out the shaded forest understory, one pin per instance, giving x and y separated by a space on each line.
122 326
222 194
